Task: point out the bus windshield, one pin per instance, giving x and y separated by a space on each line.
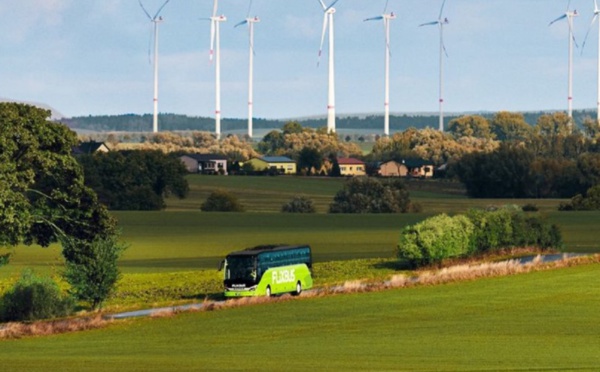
241 268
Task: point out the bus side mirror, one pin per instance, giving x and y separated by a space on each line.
221 265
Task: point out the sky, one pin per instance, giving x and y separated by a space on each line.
91 57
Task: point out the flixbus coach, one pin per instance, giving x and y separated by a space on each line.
267 270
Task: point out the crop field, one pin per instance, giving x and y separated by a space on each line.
538 321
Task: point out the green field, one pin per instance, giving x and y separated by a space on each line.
543 321
538 321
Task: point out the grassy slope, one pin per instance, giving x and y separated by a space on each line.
539 321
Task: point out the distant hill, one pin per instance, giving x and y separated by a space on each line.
363 123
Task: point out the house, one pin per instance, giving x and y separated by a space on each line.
281 164
351 167
393 168
406 168
205 163
90 147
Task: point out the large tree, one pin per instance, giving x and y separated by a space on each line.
42 193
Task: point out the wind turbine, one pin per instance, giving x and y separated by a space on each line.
440 22
386 18
568 15
215 50
594 18
250 22
156 20
328 12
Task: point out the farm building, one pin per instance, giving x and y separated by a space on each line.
205 163
351 167
282 164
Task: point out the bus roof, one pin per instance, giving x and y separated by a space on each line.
255 251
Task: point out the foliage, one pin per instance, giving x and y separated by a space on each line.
428 144
438 238
43 196
508 126
530 207
370 195
309 160
135 180
91 268
34 297
299 204
504 173
470 126
589 202
222 201
435 240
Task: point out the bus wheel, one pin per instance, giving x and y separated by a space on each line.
298 288
268 291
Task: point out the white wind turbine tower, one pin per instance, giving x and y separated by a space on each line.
596 14
156 20
569 15
250 22
386 18
440 22
215 50
328 12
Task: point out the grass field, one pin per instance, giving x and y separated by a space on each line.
542 321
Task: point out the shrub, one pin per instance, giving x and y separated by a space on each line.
222 201
91 268
589 202
370 195
530 207
299 204
435 239
493 230
33 298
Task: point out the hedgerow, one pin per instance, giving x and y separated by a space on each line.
442 237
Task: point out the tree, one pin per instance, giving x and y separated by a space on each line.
272 143
504 173
43 196
135 180
509 126
92 268
370 195
310 159
292 127
470 126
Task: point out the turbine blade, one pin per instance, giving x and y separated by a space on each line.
386 6
442 9
241 23
596 10
325 22
212 39
249 8
215 7
160 9
588 30
571 33
373 19
558 19
429 23
568 5
150 39
331 6
323 5
144 9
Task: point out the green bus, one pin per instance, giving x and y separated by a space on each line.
267 270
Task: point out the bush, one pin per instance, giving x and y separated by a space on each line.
222 201
299 204
589 202
493 230
370 195
530 207
435 239
33 298
91 268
